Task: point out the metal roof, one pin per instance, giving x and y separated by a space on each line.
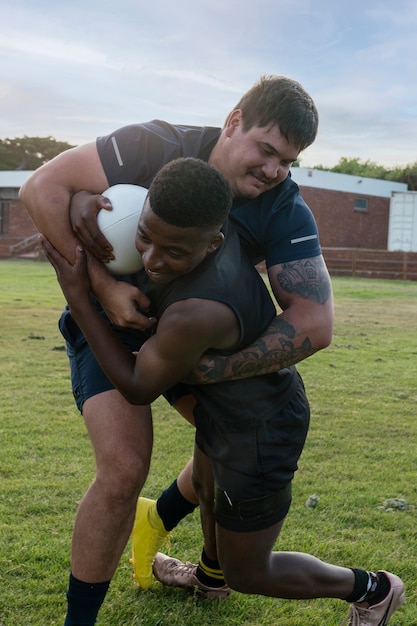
361 185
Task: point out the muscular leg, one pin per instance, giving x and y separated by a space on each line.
154 520
121 435
204 487
247 560
250 566
184 406
208 575
185 483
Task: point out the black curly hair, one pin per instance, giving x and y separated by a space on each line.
188 192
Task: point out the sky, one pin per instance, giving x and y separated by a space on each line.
76 70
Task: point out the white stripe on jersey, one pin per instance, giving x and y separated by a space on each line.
116 151
301 239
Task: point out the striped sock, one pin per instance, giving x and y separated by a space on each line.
369 587
209 572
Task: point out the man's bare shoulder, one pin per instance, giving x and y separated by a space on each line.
207 323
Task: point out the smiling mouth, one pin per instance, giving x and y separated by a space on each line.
158 277
151 273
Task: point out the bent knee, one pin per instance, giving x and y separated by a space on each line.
204 492
239 580
244 579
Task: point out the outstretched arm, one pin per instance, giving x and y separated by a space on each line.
303 290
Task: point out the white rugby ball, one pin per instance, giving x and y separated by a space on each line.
120 224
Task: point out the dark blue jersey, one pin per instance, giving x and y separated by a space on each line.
277 226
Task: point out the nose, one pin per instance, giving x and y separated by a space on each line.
151 259
273 169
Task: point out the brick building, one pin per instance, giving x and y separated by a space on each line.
351 211
18 234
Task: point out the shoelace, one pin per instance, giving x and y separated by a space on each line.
355 616
183 569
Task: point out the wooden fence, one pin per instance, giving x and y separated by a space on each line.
366 263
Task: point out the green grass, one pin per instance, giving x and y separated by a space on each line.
361 450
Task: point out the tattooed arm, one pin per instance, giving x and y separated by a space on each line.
303 291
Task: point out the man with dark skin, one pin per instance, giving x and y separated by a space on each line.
192 272
265 132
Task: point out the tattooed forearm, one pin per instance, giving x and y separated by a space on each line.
273 351
305 294
307 278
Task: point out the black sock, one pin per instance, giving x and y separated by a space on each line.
84 601
209 572
380 591
369 587
173 507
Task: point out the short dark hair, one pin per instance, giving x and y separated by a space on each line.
283 102
188 192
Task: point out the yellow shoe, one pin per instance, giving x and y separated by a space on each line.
148 536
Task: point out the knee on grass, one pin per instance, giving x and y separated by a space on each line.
244 579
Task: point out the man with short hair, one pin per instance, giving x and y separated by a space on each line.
251 432
254 150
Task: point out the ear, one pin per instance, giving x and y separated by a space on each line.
215 242
233 121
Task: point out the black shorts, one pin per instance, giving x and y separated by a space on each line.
253 467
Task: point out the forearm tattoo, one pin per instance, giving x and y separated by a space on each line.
278 347
273 351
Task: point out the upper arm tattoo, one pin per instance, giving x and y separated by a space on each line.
307 278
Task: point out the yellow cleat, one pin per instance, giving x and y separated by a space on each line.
148 536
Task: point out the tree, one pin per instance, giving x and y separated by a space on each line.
369 169
29 153
407 175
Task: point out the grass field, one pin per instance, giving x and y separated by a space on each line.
361 451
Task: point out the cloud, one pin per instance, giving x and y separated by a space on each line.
91 67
